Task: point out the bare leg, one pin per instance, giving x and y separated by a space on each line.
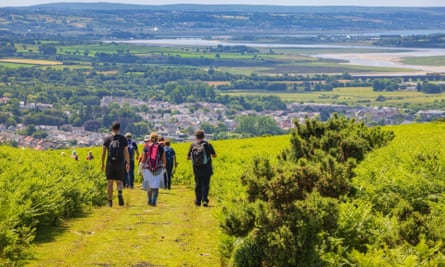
110 189
119 185
119 192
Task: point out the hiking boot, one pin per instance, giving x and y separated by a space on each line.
121 200
110 203
205 204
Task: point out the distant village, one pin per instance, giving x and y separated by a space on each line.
170 120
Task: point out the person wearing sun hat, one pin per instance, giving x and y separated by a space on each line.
132 150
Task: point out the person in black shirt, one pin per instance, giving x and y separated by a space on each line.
201 153
115 149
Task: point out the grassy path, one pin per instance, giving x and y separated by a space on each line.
175 233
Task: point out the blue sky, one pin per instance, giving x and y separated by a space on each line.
251 2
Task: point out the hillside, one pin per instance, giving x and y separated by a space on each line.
101 20
393 215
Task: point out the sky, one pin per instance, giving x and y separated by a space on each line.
404 3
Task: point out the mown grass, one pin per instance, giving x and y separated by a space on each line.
30 61
175 233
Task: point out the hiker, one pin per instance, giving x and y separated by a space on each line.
132 150
74 155
90 155
170 157
201 153
115 147
163 184
153 159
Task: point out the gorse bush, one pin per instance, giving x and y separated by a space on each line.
40 189
404 183
292 210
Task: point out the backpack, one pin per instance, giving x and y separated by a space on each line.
199 154
115 152
153 157
132 146
169 155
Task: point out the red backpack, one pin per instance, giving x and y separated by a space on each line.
153 157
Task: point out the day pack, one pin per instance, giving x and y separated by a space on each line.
115 153
153 157
199 154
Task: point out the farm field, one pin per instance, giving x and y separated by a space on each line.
425 61
30 61
266 61
353 96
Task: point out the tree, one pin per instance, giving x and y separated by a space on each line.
253 125
48 49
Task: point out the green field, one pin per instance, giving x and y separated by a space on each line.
353 96
16 65
176 233
425 61
266 61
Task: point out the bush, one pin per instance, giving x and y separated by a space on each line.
41 189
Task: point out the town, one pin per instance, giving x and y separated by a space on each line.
178 121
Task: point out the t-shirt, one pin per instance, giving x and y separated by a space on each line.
169 155
123 144
132 147
207 169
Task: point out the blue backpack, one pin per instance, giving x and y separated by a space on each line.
169 155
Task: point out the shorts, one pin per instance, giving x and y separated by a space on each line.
115 173
152 180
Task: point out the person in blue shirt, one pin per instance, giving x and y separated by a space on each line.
171 163
132 150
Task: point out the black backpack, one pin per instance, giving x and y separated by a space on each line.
199 154
115 152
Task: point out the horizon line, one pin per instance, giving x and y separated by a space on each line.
210 4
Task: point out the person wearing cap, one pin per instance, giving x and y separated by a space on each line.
132 150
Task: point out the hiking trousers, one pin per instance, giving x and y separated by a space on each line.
202 187
129 179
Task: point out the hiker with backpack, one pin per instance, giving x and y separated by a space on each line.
132 150
201 153
115 149
153 160
170 157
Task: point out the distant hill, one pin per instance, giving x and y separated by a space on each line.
235 8
238 8
106 20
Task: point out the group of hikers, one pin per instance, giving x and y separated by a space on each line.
156 163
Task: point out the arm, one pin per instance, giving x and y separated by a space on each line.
127 158
164 159
188 154
137 151
104 153
212 151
